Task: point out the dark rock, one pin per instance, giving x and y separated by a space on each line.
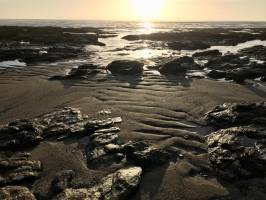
116 186
20 134
227 115
18 168
145 155
215 74
188 45
206 54
99 124
82 72
238 153
257 52
179 66
16 193
126 67
62 180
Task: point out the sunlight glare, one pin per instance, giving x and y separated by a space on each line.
147 9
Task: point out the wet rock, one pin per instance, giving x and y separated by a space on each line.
66 121
238 153
16 193
215 74
99 124
179 66
207 54
118 185
145 155
257 52
20 134
126 67
227 115
188 45
62 180
18 168
82 72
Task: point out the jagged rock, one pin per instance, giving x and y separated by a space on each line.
207 54
238 152
227 115
16 193
17 168
145 155
62 180
179 66
116 186
126 67
64 121
99 124
257 52
20 134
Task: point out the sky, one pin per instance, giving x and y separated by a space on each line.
144 10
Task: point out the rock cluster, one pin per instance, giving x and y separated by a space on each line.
179 66
238 150
117 185
16 193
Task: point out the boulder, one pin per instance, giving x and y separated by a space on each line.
16 193
179 66
236 114
238 152
126 67
115 186
145 155
18 168
216 74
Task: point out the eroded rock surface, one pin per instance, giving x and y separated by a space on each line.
18 168
16 193
112 187
238 152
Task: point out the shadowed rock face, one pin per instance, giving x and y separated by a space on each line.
227 115
238 153
16 193
18 168
114 186
126 67
179 66
188 45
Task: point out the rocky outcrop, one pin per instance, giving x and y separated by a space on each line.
207 54
116 186
188 45
179 66
256 52
228 115
216 74
238 152
125 67
18 168
16 193
20 134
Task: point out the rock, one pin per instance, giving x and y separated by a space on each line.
215 74
20 134
257 52
99 124
188 45
227 115
18 168
126 67
116 186
145 155
82 72
62 180
16 193
207 54
66 121
179 66
238 153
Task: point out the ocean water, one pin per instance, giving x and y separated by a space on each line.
118 48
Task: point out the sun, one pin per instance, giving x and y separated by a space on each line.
147 10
